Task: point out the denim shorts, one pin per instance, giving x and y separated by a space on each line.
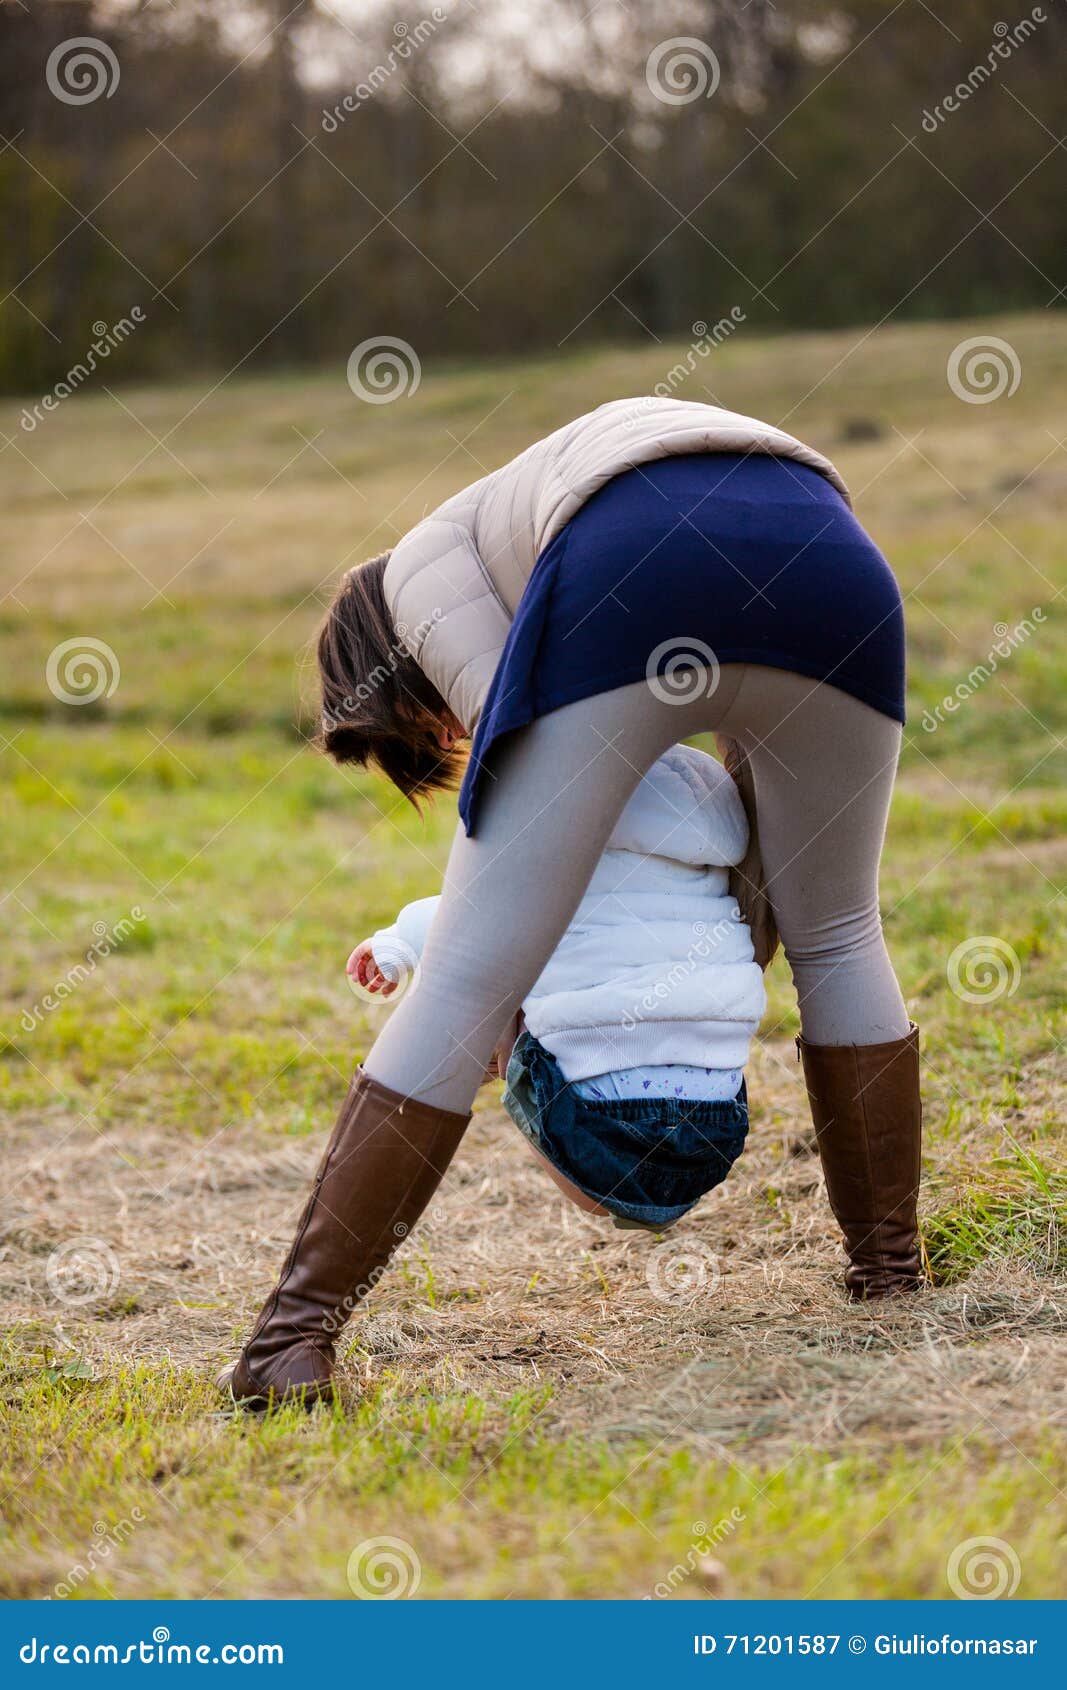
646 1161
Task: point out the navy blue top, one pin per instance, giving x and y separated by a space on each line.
752 558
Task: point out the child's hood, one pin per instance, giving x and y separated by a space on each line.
685 808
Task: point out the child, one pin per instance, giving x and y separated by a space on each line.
626 1077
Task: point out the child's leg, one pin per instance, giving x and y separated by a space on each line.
577 1196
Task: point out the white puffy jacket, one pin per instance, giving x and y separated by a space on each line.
454 582
657 965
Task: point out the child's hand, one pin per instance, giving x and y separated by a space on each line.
362 967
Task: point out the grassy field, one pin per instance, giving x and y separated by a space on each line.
528 1411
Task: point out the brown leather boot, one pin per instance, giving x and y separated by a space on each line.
867 1112
381 1167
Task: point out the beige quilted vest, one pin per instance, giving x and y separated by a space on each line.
454 582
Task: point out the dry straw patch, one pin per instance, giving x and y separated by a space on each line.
507 1286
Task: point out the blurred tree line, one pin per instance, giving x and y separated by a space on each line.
276 181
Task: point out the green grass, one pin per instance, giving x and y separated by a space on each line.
487 1506
1023 1217
223 1016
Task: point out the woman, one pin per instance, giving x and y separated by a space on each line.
654 570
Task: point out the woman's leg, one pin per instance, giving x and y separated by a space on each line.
509 892
823 767
508 896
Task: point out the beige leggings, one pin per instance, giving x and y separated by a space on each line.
823 765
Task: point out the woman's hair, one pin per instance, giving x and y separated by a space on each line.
377 705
